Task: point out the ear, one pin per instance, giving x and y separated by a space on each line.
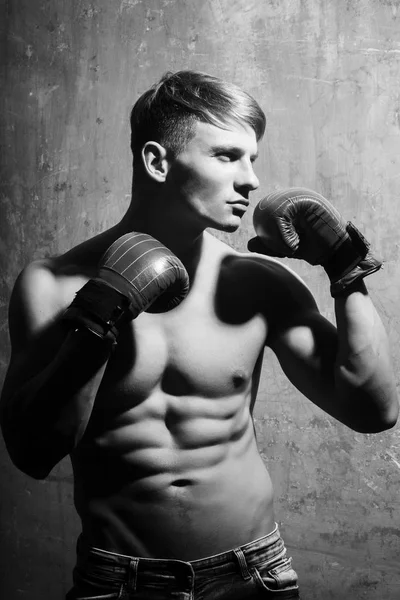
154 157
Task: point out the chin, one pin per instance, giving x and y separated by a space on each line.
228 226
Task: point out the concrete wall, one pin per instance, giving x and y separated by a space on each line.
327 73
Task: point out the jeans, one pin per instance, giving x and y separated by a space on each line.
259 569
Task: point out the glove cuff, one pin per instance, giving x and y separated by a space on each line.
99 308
365 267
351 261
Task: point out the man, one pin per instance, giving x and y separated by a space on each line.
150 389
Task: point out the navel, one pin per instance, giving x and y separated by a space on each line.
181 482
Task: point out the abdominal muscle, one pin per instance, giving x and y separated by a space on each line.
168 482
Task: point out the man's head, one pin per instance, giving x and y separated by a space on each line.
167 113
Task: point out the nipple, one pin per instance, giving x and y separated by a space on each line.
239 379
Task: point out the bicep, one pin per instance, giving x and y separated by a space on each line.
306 349
304 341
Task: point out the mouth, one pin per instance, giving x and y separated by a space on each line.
240 201
239 209
239 206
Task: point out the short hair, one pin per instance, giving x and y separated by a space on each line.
167 112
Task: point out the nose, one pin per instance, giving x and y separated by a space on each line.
247 179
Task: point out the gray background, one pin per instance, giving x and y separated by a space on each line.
327 74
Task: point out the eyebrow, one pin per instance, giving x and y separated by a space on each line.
233 149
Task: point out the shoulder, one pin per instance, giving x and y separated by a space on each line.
266 267
278 293
45 285
36 278
263 285
266 272
272 277
35 298
41 292
270 270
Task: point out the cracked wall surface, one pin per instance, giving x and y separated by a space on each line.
327 73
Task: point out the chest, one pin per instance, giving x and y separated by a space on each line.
208 346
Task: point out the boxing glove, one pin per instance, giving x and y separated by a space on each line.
300 223
135 273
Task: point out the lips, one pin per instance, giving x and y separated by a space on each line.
240 202
239 207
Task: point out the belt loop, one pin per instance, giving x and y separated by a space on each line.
132 574
244 570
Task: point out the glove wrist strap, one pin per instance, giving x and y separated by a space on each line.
351 261
352 250
100 308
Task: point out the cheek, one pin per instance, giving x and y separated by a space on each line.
190 182
214 180
202 182
204 188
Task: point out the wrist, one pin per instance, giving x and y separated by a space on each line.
355 287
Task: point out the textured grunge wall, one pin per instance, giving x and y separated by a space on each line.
327 73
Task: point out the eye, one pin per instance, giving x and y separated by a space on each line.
227 156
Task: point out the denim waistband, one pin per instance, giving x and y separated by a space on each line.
121 567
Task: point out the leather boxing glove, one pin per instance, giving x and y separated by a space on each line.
135 273
300 223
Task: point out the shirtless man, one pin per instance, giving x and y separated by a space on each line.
153 405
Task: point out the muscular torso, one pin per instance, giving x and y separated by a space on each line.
168 466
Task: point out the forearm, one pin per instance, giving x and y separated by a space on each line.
364 375
45 418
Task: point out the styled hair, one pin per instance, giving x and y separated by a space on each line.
168 111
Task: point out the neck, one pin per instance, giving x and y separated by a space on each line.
150 214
